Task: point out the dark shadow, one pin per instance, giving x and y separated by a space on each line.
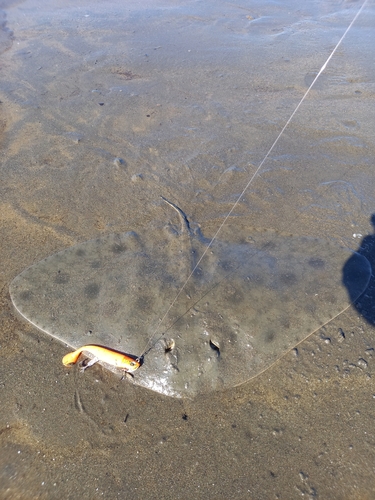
354 273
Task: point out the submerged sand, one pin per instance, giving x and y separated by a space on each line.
104 108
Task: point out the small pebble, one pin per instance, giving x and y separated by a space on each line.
362 363
119 162
137 177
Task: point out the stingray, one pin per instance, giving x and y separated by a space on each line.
253 297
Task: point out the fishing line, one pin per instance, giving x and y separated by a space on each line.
204 294
151 343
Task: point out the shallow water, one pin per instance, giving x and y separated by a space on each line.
230 310
104 109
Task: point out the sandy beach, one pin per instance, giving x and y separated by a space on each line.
107 106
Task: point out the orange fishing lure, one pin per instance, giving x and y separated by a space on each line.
114 358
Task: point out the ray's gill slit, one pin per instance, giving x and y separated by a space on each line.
152 341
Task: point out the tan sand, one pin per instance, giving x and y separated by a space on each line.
106 106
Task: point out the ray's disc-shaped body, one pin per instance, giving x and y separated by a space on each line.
254 296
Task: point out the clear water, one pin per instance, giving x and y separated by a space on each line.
254 296
187 109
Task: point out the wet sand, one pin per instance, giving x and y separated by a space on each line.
190 98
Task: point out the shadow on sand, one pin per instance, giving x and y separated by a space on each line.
365 303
